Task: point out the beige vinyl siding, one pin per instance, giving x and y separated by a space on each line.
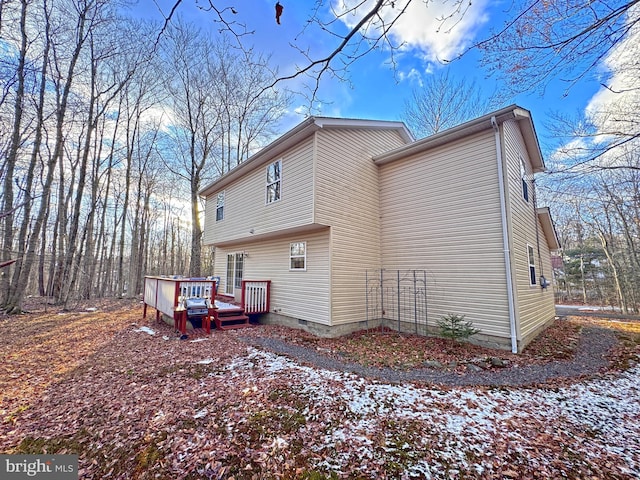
209 219
347 199
440 212
534 306
298 294
245 205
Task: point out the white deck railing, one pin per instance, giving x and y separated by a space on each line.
256 295
165 294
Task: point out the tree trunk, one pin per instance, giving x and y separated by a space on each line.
196 231
12 156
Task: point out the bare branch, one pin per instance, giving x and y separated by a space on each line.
166 21
563 39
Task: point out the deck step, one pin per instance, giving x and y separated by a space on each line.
235 327
231 319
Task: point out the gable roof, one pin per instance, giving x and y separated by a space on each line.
548 228
295 136
513 112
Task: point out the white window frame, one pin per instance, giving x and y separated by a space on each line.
298 256
277 183
220 206
531 261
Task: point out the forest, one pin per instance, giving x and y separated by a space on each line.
105 145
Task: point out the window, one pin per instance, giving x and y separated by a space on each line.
532 265
298 256
525 184
220 207
274 176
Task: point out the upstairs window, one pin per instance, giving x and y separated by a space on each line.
298 256
274 177
220 207
532 265
525 182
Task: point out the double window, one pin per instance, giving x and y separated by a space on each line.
274 181
298 256
220 207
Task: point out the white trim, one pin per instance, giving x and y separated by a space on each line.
304 257
325 122
548 228
531 262
220 206
471 127
230 283
278 182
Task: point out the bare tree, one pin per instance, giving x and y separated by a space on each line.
246 121
13 148
215 113
443 102
191 82
563 39
597 219
16 290
68 40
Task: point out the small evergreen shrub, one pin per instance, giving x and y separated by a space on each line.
455 327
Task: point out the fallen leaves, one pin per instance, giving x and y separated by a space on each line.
136 405
386 348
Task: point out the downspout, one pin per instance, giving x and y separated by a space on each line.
505 238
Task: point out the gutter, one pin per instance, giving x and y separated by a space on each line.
505 238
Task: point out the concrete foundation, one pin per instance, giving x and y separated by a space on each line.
334 331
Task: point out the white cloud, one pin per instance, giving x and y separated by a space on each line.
422 27
564 155
413 76
614 109
612 113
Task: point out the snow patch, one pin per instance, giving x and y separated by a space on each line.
145 330
201 413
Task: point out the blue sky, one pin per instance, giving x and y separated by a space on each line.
375 89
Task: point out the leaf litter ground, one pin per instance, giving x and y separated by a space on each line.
134 401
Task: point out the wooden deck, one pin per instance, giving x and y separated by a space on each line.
167 295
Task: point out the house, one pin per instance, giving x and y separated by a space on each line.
336 203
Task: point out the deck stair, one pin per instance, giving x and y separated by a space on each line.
228 318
